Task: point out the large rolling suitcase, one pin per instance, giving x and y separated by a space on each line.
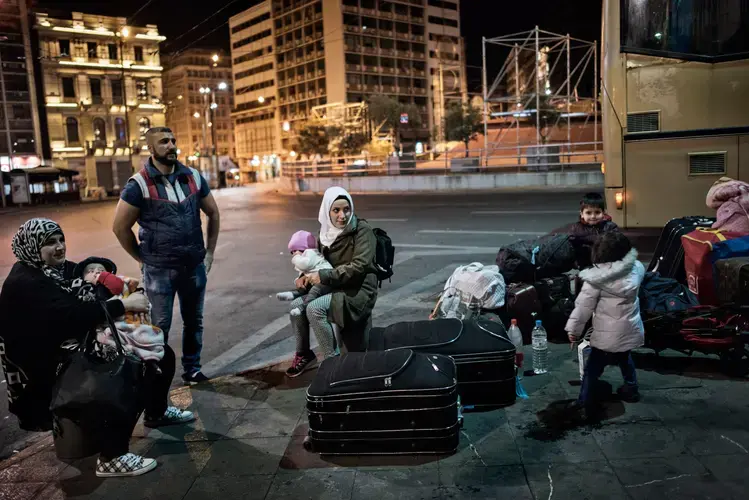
483 354
733 280
386 402
701 248
668 258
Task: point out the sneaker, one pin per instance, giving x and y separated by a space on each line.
128 465
172 416
301 363
285 296
194 378
628 395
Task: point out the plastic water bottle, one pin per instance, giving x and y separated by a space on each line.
540 349
516 337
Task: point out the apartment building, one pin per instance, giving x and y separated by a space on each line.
446 60
20 136
196 124
306 53
102 92
255 114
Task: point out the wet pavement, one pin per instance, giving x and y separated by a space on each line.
686 439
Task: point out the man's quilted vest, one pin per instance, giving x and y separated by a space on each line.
170 233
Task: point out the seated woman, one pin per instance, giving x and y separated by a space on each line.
349 244
42 311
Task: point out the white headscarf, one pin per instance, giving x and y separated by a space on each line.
328 231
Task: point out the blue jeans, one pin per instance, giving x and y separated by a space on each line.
161 285
597 362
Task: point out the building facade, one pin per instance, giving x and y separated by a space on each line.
197 125
20 136
255 116
293 55
447 70
102 92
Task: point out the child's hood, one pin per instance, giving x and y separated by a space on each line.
621 278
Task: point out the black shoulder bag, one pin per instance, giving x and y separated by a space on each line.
89 384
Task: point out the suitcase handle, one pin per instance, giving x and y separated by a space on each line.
375 377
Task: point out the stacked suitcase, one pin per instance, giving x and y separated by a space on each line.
483 354
733 280
668 258
387 402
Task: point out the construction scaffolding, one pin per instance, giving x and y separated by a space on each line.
538 84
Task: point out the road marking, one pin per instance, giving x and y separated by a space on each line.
466 231
446 247
384 305
366 218
525 212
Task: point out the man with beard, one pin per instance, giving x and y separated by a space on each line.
165 199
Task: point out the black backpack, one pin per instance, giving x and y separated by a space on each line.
384 255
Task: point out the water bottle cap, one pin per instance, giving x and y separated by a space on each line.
538 322
514 322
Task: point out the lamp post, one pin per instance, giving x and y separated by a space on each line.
209 105
124 33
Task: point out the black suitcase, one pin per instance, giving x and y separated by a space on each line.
483 354
387 402
732 281
522 304
668 258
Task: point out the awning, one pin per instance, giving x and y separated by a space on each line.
46 174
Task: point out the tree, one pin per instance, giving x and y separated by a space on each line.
352 144
313 139
463 123
385 109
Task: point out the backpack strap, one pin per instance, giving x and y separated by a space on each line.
145 182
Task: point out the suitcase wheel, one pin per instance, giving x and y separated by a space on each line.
307 443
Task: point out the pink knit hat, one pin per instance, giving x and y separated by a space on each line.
301 241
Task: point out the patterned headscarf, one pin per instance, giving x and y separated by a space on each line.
27 247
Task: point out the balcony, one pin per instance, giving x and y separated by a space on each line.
388 89
403 36
320 53
403 53
354 48
299 78
351 9
390 71
417 19
417 38
420 72
384 14
320 73
401 17
369 50
386 33
20 124
351 29
369 12
420 91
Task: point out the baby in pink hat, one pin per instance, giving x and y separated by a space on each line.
306 259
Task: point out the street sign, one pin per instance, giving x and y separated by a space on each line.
404 118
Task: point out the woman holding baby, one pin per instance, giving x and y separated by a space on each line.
45 306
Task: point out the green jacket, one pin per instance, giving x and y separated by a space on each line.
353 277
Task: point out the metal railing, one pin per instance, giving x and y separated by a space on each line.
506 159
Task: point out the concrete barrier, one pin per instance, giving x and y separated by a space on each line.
456 182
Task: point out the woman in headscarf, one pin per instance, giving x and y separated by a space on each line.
45 308
349 244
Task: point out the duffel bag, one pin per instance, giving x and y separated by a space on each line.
532 260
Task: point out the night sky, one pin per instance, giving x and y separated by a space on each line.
176 17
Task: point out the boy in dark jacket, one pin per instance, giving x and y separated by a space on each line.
593 221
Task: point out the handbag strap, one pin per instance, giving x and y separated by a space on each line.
115 333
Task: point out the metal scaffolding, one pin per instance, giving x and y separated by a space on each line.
532 89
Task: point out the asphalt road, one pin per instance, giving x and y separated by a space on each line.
244 324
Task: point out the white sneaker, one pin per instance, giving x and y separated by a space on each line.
285 296
297 311
128 465
171 416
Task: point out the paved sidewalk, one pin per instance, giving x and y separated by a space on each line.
688 438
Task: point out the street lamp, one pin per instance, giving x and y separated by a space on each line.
215 58
222 86
214 105
286 126
261 99
196 115
124 33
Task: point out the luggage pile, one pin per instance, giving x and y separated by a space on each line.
695 297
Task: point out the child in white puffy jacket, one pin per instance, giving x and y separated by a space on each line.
306 259
609 295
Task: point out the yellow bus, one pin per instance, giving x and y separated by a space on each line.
675 105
